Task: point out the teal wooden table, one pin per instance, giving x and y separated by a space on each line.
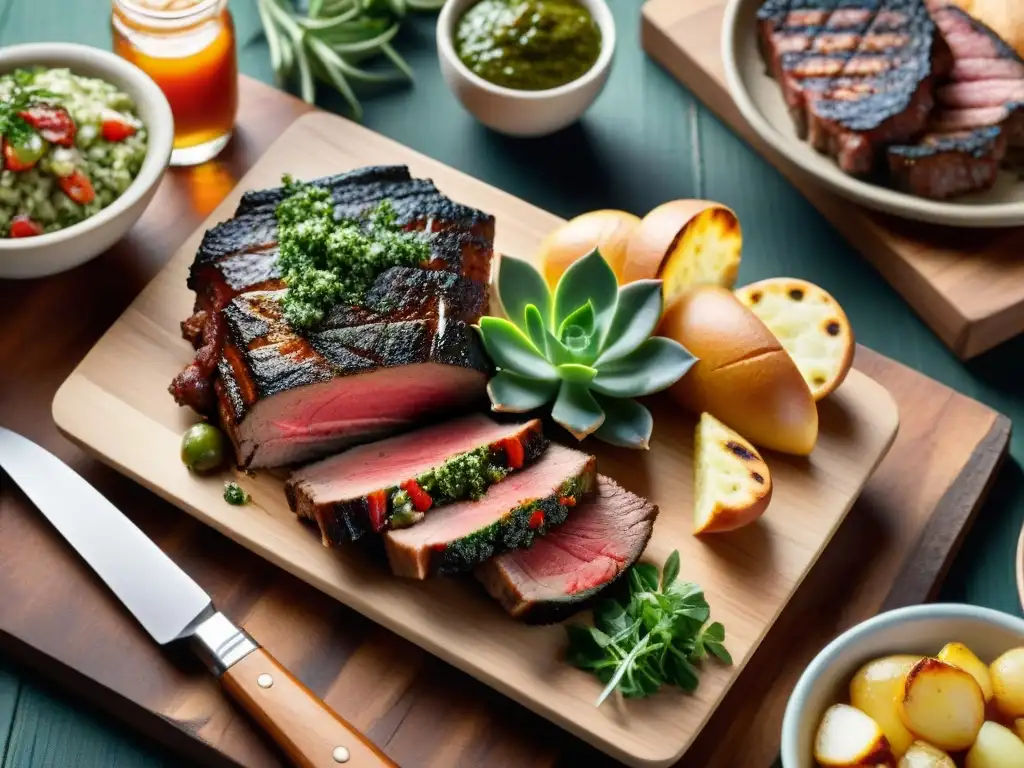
646 140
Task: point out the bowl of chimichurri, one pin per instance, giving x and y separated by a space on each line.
526 67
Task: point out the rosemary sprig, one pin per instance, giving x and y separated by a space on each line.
332 37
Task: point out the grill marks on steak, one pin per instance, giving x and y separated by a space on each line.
511 514
857 75
978 117
285 398
573 562
335 493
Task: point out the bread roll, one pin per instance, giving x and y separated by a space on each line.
743 376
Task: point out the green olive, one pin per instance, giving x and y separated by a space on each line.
202 447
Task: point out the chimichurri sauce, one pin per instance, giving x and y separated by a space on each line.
529 45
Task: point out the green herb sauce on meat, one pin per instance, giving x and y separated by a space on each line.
324 261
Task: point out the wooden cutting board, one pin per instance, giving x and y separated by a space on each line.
967 285
59 619
116 405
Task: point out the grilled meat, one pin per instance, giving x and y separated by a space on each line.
978 117
285 398
857 75
562 570
511 514
349 494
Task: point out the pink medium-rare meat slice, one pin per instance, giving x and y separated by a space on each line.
509 516
978 117
857 75
285 399
368 488
570 564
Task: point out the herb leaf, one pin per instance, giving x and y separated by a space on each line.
656 636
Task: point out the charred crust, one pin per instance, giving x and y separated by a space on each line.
757 478
742 451
832 327
796 294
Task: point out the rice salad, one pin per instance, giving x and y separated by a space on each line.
71 146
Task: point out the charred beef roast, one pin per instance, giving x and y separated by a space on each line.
857 75
978 116
405 353
353 492
573 562
510 516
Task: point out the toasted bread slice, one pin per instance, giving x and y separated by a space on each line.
733 485
810 325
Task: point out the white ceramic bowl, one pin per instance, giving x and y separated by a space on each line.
59 251
523 113
920 629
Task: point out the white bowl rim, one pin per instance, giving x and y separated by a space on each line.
602 15
157 157
810 676
879 198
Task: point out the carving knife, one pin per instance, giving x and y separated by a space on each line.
172 607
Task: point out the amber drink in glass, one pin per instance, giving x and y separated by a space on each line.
188 48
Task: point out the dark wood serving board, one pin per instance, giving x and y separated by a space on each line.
54 615
967 285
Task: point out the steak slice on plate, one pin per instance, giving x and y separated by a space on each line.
509 516
285 399
978 117
573 562
857 75
353 492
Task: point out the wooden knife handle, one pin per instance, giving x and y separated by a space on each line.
311 735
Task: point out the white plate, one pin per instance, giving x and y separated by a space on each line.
759 99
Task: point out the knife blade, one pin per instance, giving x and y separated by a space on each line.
171 607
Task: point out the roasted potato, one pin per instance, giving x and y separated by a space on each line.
924 755
942 705
847 738
996 747
876 689
1007 674
959 655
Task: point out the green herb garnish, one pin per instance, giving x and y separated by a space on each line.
23 95
332 38
654 637
234 494
587 346
324 261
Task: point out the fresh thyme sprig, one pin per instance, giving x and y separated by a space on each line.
332 37
654 637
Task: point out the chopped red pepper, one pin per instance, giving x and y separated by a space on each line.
567 501
514 453
78 187
23 226
439 547
377 502
537 519
53 123
421 500
116 128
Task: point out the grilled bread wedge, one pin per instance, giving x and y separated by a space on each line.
810 325
733 485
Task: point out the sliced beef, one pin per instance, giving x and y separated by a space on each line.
285 398
240 256
978 116
573 562
857 75
509 516
353 492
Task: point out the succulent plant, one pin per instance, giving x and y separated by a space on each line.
587 346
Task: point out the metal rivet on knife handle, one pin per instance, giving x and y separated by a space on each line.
340 755
264 680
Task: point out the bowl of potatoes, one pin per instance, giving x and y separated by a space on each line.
930 686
